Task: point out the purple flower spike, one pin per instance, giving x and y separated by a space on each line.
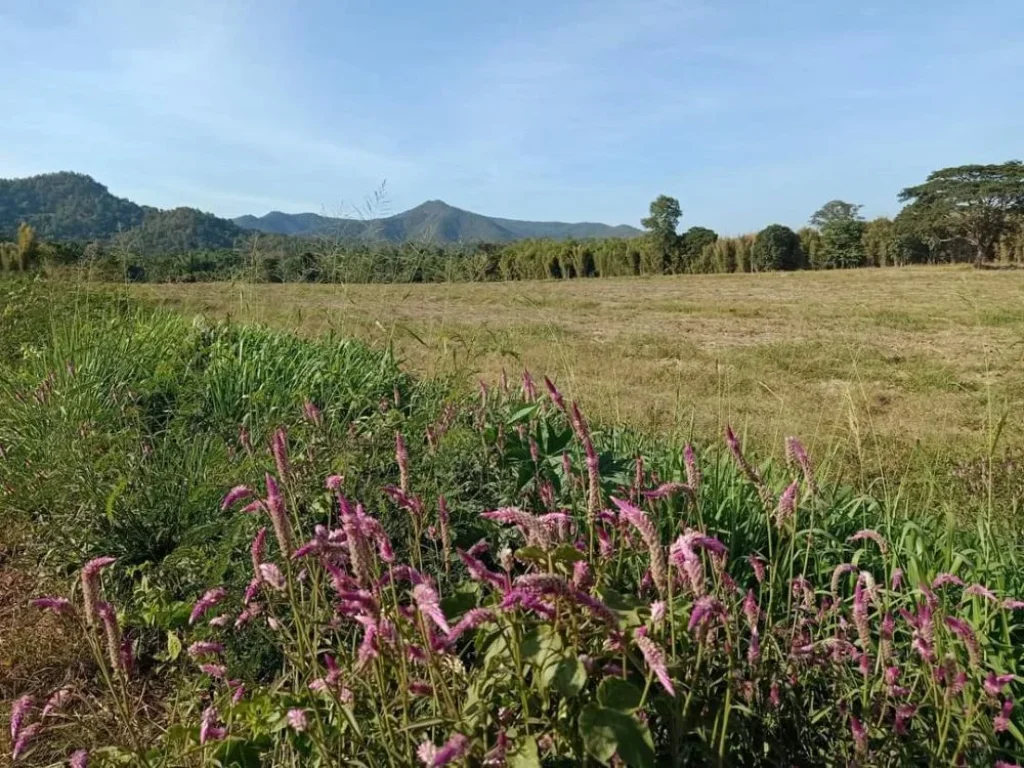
235 495
870 535
994 683
79 759
206 602
453 749
58 605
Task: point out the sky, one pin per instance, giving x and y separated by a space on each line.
749 112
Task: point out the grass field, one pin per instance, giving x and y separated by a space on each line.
868 363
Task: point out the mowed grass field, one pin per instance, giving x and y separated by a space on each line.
875 366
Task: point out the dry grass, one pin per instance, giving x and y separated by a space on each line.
865 362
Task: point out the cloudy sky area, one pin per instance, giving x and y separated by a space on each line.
748 112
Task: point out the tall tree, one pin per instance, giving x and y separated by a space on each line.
661 226
692 243
835 210
976 202
776 247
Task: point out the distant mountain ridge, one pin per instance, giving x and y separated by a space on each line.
74 206
433 221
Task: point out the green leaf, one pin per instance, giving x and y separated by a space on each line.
114 495
606 732
523 414
458 602
173 646
570 676
616 693
525 756
567 553
536 554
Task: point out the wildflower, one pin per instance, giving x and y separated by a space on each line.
904 712
665 490
279 516
112 632
250 612
657 611
218 671
59 605
206 602
252 588
25 737
860 735
312 413
528 600
870 535
704 610
453 749
55 703
532 528
656 552
655 660
497 756
773 696
205 648
79 759
18 712
442 521
334 483
759 568
885 635
978 590
860 616
752 475
402 457
693 474
428 604
1001 722
751 610
897 579
754 650
235 495
945 579
838 573
472 619
297 720
579 425
582 578
478 571
1005 764
1013 605
796 454
208 728
556 396
279 447
90 585
272 576
965 632
787 505
994 683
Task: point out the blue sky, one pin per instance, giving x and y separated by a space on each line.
749 112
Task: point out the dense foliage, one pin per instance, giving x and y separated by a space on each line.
322 561
968 214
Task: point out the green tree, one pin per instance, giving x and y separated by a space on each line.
692 243
978 203
810 244
835 210
776 247
881 243
842 242
662 226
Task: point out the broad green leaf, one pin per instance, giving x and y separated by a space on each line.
616 693
525 756
535 554
606 732
567 553
173 646
570 676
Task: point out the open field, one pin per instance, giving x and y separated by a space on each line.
867 362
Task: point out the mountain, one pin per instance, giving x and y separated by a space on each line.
434 221
65 206
73 206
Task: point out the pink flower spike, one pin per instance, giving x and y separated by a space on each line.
870 535
556 396
206 602
205 648
18 712
453 749
208 729
297 720
428 604
860 735
1013 605
218 671
279 447
945 579
994 683
59 605
24 739
897 579
1001 722
235 495
979 590
79 759
272 576
657 611
655 661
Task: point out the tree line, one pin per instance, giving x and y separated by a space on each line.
962 214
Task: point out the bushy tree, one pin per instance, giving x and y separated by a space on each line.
776 247
810 244
835 210
662 226
977 203
692 243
